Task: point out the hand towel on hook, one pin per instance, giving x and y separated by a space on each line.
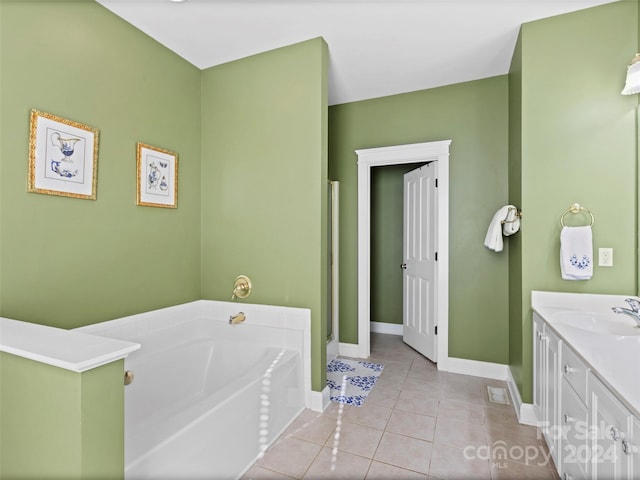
576 253
493 239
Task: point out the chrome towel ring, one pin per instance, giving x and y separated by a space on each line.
576 208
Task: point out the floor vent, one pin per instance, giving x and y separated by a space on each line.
498 395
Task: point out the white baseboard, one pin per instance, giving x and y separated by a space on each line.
525 411
349 350
320 400
496 371
388 328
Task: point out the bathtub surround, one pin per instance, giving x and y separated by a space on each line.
208 396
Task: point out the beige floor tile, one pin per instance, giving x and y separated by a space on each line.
371 415
395 368
383 471
290 456
338 465
432 387
390 381
356 439
383 396
453 463
336 409
259 473
507 470
461 411
417 402
404 452
459 434
412 425
312 427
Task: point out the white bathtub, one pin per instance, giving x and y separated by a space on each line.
207 396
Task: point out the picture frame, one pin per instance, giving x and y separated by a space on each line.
63 157
157 177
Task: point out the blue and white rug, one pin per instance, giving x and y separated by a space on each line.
350 381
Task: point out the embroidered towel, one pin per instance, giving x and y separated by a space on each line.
576 253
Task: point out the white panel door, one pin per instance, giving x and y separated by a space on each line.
419 262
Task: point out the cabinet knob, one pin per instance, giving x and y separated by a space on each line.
567 369
567 418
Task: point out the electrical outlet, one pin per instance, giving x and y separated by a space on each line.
605 257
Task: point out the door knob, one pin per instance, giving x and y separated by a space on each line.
403 266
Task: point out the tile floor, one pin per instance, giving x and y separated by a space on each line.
417 423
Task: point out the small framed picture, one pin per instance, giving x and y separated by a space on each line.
157 177
63 157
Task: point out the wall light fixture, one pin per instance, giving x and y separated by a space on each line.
632 85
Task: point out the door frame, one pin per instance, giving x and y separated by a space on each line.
396 155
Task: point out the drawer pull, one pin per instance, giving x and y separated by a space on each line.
566 476
615 434
567 418
567 369
627 448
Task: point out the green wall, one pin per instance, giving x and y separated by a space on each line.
474 116
264 190
68 262
578 144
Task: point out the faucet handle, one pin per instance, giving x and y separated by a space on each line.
634 304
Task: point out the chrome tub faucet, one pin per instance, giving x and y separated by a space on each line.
633 311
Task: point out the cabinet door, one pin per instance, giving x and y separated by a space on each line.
552 394
539 352
574 447
613 452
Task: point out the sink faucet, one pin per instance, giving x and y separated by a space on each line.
633 311
237 318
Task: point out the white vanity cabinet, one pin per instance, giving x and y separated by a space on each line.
615 454
590 431
547 383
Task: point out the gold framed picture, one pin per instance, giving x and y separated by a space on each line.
63 157
157 177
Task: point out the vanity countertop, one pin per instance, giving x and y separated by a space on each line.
66 349
610 345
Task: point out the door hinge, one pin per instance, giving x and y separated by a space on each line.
436 329
436 256
436 183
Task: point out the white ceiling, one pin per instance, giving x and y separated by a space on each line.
376 47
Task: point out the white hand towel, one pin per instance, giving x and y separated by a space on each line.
511 223
493 239
576 253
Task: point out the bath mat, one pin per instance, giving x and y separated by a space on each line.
350 381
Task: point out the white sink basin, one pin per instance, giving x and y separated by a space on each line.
598 323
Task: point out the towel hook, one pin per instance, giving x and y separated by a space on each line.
517 215
576 208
